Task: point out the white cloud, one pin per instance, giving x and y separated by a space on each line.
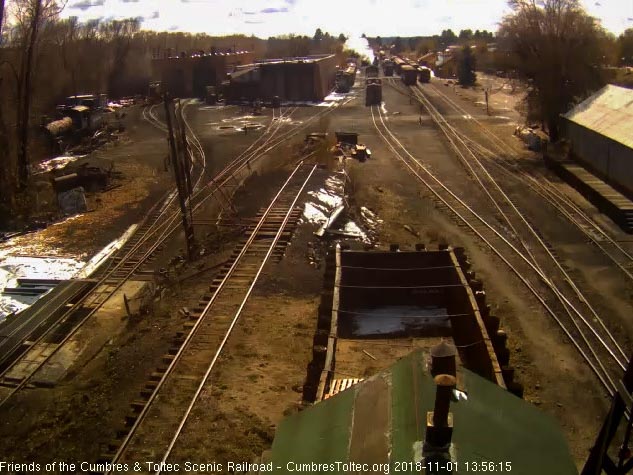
374 17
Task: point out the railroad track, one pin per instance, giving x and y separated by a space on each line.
542 186
158 226
110 276
595 343
160 416
582 308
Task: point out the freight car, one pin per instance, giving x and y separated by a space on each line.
387 67
345 79
155 93
373 92
408 74
371 71
424 74
398 63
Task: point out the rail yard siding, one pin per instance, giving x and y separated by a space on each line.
610 159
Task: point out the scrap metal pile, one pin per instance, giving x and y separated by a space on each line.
347 146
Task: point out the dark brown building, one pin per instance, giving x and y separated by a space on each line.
305 79
189 75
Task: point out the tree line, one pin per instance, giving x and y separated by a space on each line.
561 52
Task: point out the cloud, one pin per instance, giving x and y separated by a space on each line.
86 4
274 10
154 15
278 17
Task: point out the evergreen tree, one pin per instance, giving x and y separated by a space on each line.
466 67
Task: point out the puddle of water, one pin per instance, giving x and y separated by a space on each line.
397 320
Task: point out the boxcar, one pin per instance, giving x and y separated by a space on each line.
387 67
371 71
409 75
424 74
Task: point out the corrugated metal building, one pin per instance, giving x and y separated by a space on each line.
309 78
600 132
189 75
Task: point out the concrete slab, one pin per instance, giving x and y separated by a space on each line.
106 323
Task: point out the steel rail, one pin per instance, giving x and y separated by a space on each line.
608 385
583 299
504 147
168 226
271 248
103 280
568 279
126 441
561 204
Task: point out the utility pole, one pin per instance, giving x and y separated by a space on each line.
181 183
186 154
486 94
600 460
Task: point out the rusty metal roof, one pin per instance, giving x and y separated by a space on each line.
608 112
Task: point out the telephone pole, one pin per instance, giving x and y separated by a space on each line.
179 162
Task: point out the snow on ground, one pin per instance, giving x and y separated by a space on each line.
19 261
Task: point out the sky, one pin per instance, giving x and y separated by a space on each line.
266 18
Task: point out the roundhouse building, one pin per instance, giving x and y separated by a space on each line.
601 136
303 79
188 75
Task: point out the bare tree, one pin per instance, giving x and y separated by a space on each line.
118 33
1 18
31 14
557 47
66 39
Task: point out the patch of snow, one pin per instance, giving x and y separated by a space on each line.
55 163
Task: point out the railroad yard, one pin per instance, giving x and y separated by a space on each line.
163 357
